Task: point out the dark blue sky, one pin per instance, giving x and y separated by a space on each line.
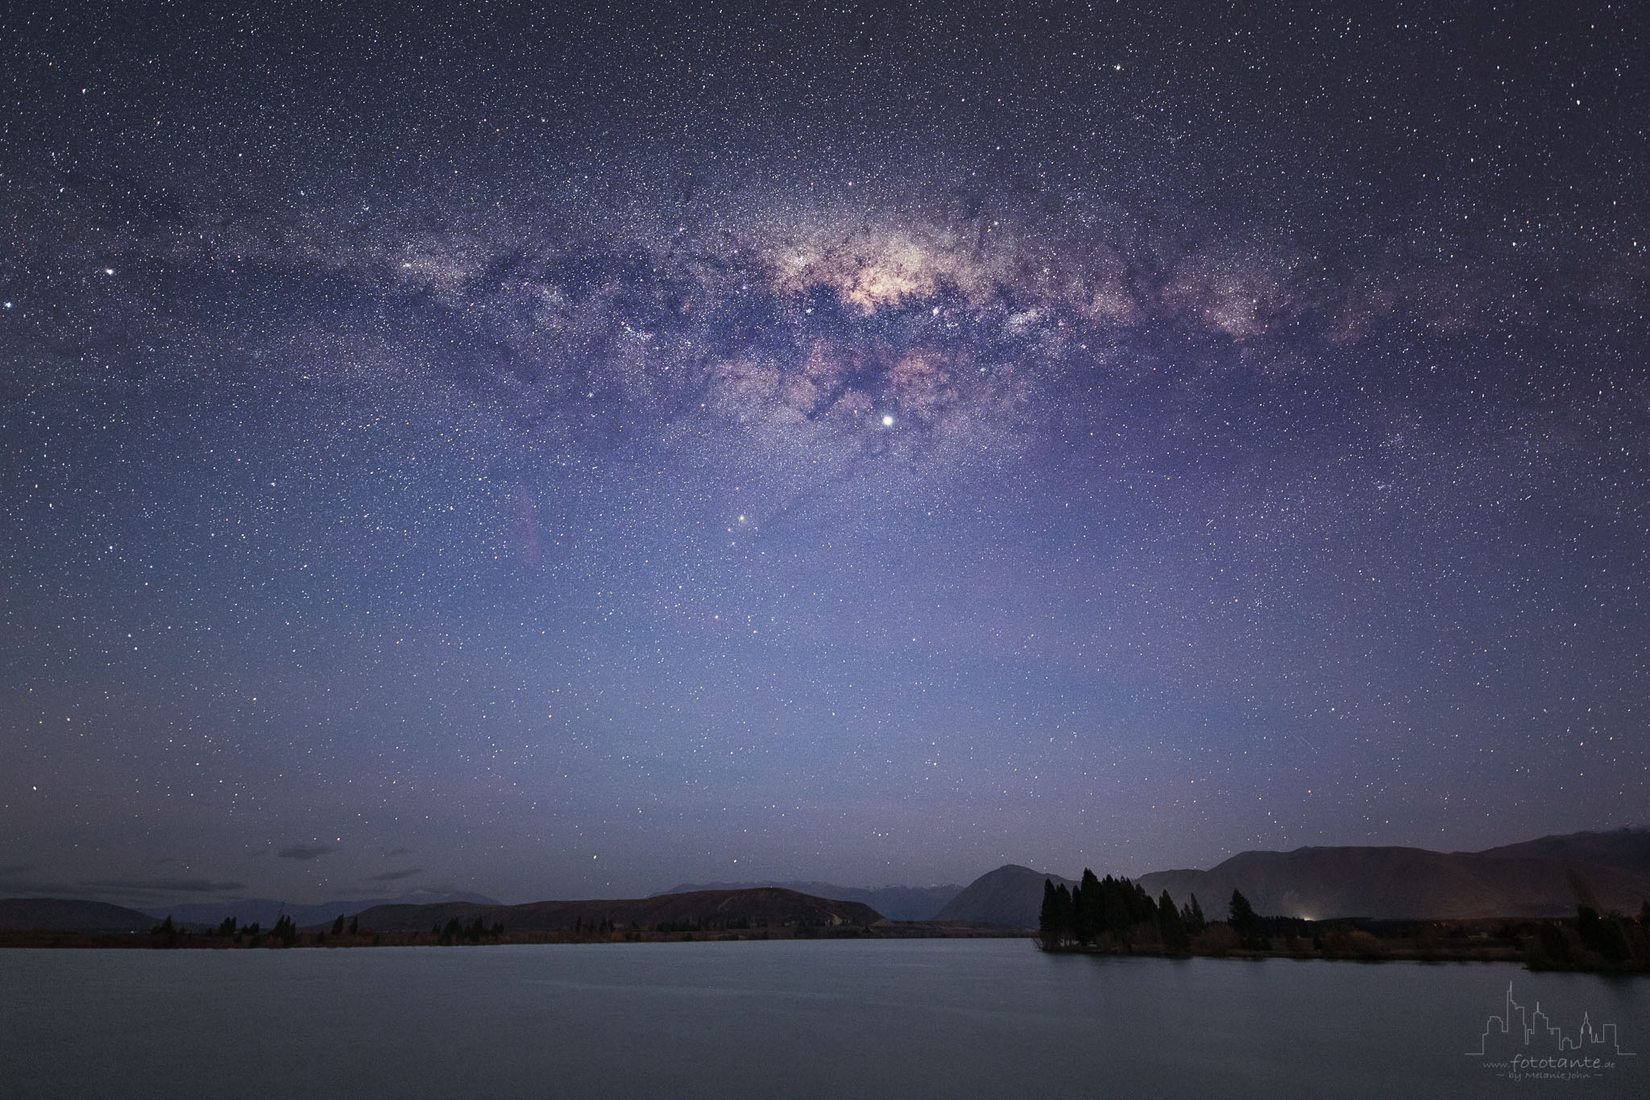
570 452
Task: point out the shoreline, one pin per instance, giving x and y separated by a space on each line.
1493 955
190 940
1497 956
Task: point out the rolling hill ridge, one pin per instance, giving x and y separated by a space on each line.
757 908
893 902
1535 878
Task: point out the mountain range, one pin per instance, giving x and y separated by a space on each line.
1544 877
1535 878
755 908
893 902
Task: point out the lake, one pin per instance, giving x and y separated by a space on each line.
845 1019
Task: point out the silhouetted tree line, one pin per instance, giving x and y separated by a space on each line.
1608 941
696 925
456 931
284 934
1116 914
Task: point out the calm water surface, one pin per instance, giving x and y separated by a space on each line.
951 1018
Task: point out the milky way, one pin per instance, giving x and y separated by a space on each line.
569 452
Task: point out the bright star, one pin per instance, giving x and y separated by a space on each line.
887 420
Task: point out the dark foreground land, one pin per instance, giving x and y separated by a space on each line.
1537 944
754 914
1113 916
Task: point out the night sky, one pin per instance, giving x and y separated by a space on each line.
568 452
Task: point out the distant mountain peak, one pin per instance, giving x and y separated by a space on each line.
1010 895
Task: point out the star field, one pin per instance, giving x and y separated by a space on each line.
562 451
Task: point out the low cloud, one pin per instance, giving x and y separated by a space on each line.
391 876
15 879
165 886
305 851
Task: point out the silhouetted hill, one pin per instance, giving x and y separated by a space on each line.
1623 849
1530 879
893 902
68 915
759 908
1011 895
266 911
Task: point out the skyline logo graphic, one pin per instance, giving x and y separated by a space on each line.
1523 1043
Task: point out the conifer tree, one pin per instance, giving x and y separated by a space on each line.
1066 907
1048 917
1116 915
285 931
1088 905
1246 922
1170 926
1145 906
